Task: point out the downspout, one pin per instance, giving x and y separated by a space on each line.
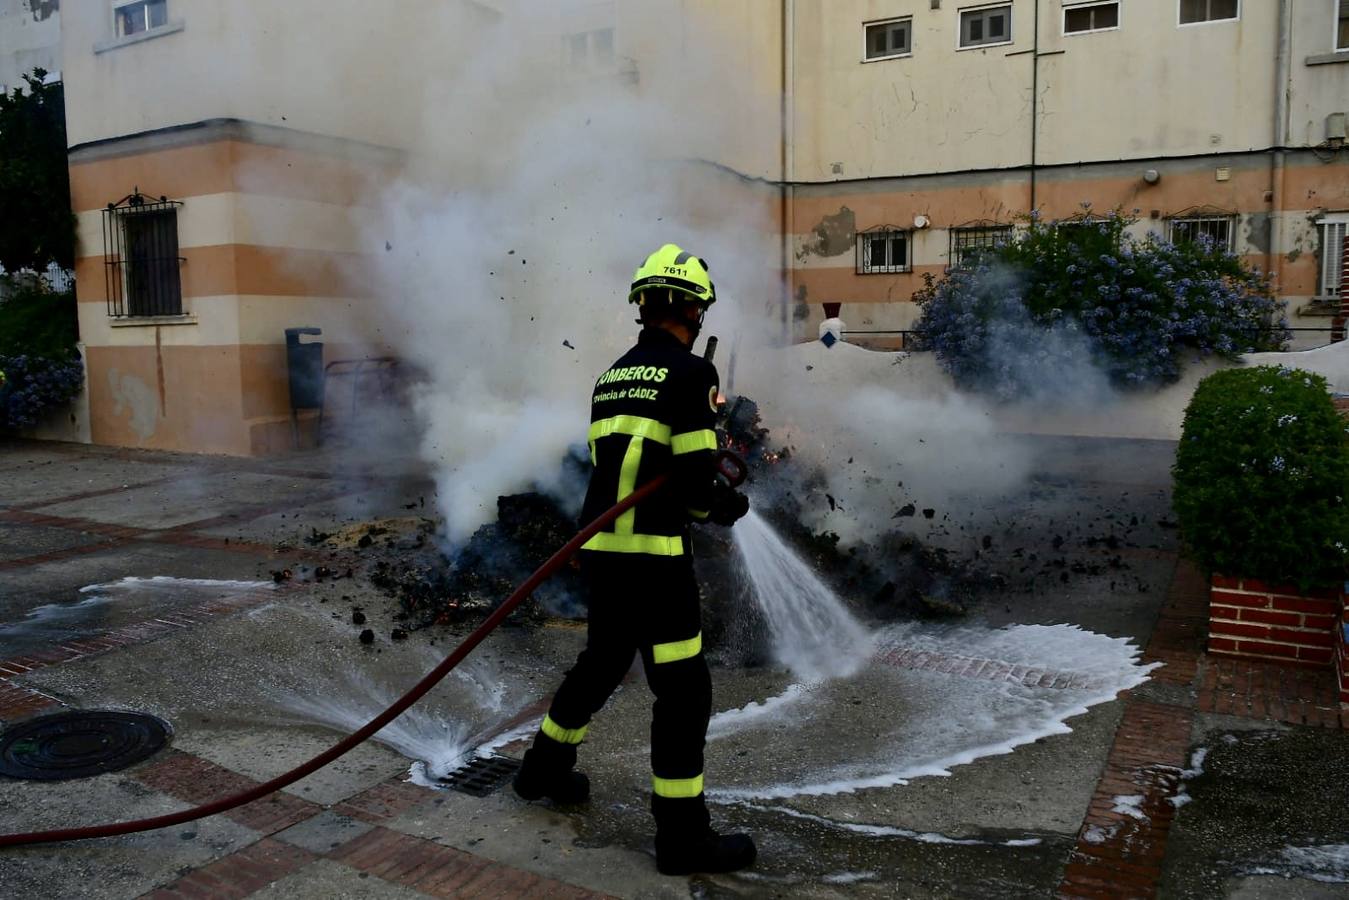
1282 57
1034 101
787 161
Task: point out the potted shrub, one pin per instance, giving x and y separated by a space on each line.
1262 495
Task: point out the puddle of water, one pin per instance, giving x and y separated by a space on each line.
876 710
1326 863
113 604
887 724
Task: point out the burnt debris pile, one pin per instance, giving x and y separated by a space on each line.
895 575
434 589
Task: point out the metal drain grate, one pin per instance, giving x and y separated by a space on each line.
482 775
80 744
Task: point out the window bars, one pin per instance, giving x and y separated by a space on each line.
969 241
883 250
141 261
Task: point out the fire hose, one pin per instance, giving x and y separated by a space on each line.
729 466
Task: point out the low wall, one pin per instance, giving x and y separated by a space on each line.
1249 618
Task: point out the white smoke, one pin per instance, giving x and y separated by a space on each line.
529 199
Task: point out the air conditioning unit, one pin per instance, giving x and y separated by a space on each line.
1335 133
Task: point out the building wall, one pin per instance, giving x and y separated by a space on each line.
30 38
277 137
946 133
267 243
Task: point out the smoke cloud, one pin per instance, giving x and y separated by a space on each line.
529 199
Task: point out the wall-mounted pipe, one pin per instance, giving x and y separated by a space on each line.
1282 73
788 161
1034 100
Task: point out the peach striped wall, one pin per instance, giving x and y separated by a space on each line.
825 217
267 241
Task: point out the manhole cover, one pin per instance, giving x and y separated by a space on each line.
79 744
482 775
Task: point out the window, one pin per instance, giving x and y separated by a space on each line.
591 51
140 248
136 16
882 251
968 243
1193 12
1216 230
1081 18
886 40
1342 25
1333 231
982 27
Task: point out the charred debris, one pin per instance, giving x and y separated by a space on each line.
896 576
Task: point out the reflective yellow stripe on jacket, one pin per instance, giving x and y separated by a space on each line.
638 430
693 441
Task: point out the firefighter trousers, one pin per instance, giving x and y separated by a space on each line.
647 605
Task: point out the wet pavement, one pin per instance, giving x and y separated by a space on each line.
1022 701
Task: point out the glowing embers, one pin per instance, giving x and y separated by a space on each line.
80 744
482 775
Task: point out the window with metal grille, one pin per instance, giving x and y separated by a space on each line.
1081 18
968 243
981 27
882 251
141 261
1342 25
888 39
1333 231
1216 230
1193 12
136 16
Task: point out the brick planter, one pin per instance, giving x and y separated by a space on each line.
1277 623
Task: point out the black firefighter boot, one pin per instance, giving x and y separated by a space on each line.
686 843
547 772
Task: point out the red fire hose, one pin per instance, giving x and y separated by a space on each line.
728 464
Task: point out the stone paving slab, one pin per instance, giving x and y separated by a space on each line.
66 475
325 832
327 880
189 497
110 867
21 541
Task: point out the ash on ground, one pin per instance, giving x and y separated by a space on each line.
434 589
896 575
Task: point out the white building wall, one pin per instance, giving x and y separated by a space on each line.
30 38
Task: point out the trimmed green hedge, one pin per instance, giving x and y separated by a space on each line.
1262 476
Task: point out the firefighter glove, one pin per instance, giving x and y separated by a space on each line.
728 505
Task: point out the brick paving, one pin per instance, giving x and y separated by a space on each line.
422 865
439 871
194 780
1120 846
1122 841
238 874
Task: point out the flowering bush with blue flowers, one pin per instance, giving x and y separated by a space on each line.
34 385
1261 477
42 369
1067 293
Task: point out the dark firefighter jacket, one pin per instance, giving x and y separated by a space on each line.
652 412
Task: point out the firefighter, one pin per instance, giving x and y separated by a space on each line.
652 412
